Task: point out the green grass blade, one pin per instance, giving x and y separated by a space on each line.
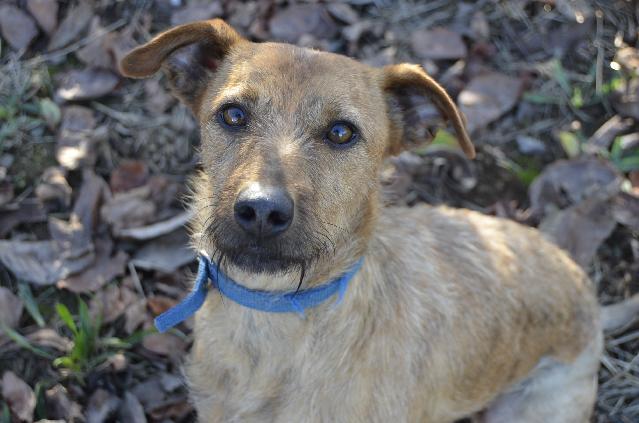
23 342
66 317
24 291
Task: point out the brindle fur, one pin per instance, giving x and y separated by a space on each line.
453 313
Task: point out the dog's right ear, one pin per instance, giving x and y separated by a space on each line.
189 53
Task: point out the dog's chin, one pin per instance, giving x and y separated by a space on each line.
255 259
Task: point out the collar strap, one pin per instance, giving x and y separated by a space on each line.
268 301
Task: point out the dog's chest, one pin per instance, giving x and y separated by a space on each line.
256 367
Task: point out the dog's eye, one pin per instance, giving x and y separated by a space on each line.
341 133
233 116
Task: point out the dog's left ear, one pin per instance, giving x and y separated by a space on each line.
189 54
402 85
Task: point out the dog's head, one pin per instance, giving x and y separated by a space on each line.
292 140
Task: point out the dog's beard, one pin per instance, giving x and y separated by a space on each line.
292 253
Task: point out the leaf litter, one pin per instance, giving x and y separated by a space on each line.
548 90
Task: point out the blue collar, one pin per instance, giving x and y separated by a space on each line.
270 301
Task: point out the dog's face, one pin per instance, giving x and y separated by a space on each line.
292 140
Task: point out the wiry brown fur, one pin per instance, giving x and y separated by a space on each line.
452 312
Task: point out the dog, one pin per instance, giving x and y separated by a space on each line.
446 314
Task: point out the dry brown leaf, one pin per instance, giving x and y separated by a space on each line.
176 409
166 253
17 27
155 230
605 135
343 12
41 262
111 302
131 410
580 229
96 53
10 308
130 209
128 175
75 143
49 338
86 84
102 271
158 100
196 11
102 405
27 211
54 188
438 44
159 304
72 26
60 406
135 315
487 97
291 22
165 344
625 209
568 182
19 396
45 13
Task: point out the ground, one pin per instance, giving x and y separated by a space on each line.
94 168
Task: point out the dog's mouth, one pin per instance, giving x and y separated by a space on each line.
256 258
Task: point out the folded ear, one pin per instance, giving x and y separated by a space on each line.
189 53
403 85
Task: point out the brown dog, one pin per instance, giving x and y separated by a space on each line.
452 314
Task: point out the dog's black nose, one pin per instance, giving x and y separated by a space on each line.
264 211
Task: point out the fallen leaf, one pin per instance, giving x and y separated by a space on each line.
291 22
487 97
111 302
580 229
75 144
60 406
157 99
10 308
625 210
93 191
568 182
128 175
41 262
176 409
27 211
96 53
131 410
49 338
530 145
155 230
159 304
165 254
165 344
135 315
130 209
616 317
102 271
150 393
605 135
19 396
342 12
17 27
72 26
196 11
102 405
54 188
171 382
438 44
86 84
45 13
